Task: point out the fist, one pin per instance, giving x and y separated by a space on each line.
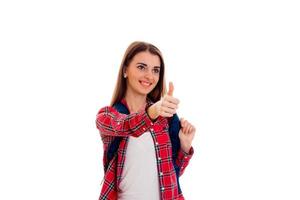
186 135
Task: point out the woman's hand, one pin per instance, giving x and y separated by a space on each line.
166 106
186 135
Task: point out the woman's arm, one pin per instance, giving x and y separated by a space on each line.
186 136
181 147
179 156
110 122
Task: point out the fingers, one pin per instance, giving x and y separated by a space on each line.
169 104
166 114
171 99
168 110
190 129
187 127
183 123
165 109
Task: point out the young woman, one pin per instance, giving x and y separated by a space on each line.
146 146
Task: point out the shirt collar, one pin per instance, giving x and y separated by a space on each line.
149 102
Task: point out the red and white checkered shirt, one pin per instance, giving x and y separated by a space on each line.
113 124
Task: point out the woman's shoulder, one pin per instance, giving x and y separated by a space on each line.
119 107
106 109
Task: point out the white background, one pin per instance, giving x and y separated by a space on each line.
234 64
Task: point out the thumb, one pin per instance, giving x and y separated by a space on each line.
171 89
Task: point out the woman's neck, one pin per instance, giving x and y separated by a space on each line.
135 103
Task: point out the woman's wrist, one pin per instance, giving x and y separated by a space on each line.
151 112
186 148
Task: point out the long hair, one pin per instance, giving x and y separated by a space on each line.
121 85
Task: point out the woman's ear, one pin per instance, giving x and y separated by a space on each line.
124 72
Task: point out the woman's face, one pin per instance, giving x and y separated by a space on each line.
143 73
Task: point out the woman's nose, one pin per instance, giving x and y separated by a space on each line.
149 74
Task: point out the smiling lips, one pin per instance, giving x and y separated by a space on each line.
145 83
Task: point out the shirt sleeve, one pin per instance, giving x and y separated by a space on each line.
183 159
110 122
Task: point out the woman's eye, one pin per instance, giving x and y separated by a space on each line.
141 67
156 71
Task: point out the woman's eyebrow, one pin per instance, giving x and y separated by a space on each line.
147 65
141 64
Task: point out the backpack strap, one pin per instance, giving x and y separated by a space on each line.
174 127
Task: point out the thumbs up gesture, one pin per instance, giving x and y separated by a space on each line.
166 106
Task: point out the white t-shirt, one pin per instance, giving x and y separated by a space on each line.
139 176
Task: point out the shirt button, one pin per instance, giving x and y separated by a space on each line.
161 173
156 143
151 124
144 128
185 157
159 158
118 123
151 129
162 189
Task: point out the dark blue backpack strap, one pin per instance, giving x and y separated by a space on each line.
174 127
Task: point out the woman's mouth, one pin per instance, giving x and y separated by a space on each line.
145 83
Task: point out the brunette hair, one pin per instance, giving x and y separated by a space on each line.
121 85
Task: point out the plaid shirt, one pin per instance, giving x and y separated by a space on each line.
113 124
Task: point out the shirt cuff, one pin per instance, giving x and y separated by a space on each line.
183 154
